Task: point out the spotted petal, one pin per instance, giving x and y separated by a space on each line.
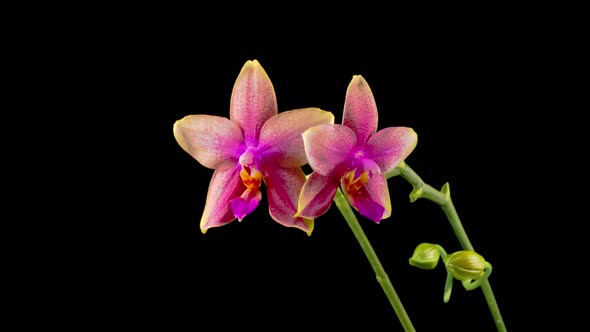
283 186
211 140
328 147
225 185
373 202
317 195
360 110
253 100
390 146
280 137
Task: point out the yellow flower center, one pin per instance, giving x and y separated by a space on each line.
354 185
251 177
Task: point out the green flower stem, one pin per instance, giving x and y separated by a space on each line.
443 198
382 277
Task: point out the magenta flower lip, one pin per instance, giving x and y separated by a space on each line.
355 156
256 144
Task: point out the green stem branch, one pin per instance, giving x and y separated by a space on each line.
382 277
443 198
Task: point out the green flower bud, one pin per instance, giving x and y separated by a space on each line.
425 256
465 265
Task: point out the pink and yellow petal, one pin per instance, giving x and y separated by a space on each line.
211 140
328 147
280 137
317 195
360 110
283 186
372 201
253 100
379 192
225 185
390 146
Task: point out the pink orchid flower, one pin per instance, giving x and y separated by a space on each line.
355 155
254 145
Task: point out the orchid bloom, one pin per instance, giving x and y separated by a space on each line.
354 155
254 145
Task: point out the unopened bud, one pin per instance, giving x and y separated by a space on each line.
465 265
426 256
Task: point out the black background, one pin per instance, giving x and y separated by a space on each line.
101 206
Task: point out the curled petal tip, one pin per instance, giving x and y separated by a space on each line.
358 80
252 66
306 224
253 62
252 69
309 224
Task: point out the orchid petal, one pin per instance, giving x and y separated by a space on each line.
225 185
209 139
280 137
373 202
317 195
390 146
283 186
328 147
253 100
360 110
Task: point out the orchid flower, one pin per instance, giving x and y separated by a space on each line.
354 155
255 145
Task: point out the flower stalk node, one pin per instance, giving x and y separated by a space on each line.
416 193
446 191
